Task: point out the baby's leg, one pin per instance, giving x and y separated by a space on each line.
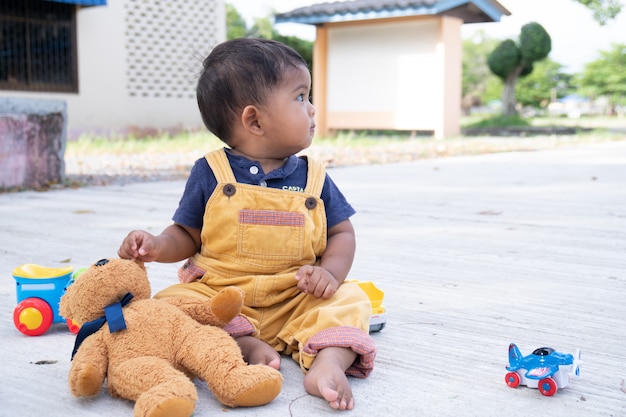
327 377
255 352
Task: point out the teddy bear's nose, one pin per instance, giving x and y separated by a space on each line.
102 262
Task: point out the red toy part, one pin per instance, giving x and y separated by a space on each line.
71 324
33 316
512 379
547 387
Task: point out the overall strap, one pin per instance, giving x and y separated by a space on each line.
315 178
218 162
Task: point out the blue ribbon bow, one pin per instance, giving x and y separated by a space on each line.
113 314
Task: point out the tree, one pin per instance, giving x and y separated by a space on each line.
479 85
263 28
236 27
510 61
606 76
545 83
603 10
235 24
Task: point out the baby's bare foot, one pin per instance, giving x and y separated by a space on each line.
327 378
256 351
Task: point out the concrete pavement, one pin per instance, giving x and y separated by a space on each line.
472 252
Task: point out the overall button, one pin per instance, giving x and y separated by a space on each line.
263 183
310 203
254 170
229 190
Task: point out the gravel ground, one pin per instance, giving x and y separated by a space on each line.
105 169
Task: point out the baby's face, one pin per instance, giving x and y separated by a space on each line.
289 116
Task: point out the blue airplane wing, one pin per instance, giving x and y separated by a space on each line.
542 372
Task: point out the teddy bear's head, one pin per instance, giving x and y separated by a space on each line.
104 283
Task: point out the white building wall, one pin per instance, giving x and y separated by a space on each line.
386 75
138 64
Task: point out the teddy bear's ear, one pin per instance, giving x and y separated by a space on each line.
140 263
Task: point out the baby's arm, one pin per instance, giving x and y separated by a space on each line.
174 244
322 281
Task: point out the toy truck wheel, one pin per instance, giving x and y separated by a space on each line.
512 379
33 316
376 327
547 387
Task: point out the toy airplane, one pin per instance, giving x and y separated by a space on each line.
544 369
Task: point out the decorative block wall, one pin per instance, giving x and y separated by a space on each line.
166 41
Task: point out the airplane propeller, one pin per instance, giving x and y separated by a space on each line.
576 364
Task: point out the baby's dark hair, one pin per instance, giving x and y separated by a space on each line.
238 73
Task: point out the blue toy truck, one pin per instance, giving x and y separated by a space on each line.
39 290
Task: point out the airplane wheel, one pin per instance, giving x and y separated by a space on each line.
33 316
512 379
547 387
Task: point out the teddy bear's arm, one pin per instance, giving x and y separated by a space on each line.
89 366
217 311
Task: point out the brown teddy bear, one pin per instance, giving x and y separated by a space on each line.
148 349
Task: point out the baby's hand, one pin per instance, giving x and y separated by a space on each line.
316 281
138 245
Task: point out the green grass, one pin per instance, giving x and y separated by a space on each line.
165 143
500 121
507 121
363 138
203 141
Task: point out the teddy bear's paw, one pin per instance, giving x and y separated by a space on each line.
171 407
250 386
227 304
85 381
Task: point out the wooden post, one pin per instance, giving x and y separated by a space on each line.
320 80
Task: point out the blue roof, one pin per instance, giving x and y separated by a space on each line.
476 11
83 2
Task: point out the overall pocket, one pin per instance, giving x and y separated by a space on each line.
275 237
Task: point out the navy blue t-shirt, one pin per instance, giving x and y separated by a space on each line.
291 176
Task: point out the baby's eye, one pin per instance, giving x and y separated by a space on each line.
301 97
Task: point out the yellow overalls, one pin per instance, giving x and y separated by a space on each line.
256 238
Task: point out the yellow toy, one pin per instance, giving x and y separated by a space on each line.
149 348
378 319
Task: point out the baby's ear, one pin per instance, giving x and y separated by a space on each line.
250 119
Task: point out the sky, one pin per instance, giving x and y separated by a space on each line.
576 37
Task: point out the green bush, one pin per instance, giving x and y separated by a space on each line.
501 121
